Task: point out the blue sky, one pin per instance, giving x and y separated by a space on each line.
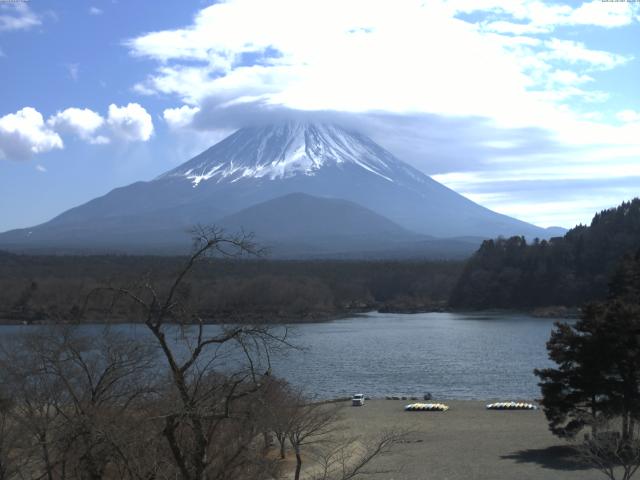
529 107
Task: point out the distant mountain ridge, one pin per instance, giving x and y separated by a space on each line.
260 164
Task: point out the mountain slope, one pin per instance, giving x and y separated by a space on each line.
298 215
255 165
300 225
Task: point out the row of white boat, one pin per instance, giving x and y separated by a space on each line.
426 407
512 406
441 407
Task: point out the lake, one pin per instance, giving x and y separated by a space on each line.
450 355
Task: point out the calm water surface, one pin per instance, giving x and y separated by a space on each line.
451 355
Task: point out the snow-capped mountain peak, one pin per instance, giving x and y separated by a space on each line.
293 174
286 150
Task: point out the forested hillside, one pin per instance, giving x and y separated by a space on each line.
50 288
569 270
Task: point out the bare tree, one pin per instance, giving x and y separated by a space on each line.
278 401
350 458
72 393
9 436
103 378
314 430
310 424
35 409
616 455
207 416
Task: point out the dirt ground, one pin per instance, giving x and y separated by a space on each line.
468 442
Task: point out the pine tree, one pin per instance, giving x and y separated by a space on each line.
598 358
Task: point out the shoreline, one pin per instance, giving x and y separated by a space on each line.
563 313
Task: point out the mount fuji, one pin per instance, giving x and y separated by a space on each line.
304 187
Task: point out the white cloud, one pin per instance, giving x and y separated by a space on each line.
390 56
95 11
527 171
527 188
100 140
180 117
559 212
74 70
24 133
81 122
570 51
535 16
41 168
628 116
141 89
130 123
17 16
514 28
603 14
568 77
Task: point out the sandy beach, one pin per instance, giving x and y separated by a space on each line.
468 442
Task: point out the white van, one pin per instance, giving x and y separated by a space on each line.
357 400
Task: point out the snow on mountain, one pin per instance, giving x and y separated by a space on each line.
285 150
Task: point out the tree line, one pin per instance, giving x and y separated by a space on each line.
571 270
52 288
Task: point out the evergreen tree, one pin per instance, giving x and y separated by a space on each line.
598 358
